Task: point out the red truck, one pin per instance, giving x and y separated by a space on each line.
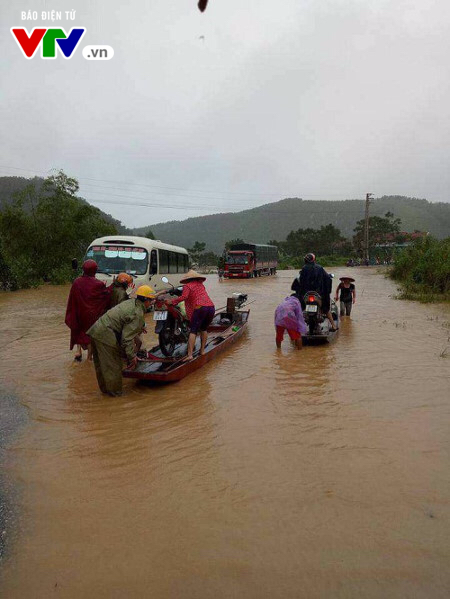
247 260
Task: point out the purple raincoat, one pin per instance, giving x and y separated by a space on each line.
290 316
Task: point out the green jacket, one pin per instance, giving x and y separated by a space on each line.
120 325
118 295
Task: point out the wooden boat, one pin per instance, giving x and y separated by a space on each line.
224 330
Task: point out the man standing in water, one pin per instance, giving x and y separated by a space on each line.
115 331
119 288
314 277
88 299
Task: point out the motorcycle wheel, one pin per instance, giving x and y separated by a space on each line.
167 338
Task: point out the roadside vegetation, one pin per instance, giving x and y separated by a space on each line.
43 229
423 270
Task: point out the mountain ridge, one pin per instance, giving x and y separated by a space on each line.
274 221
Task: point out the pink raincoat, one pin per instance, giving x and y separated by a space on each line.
290 316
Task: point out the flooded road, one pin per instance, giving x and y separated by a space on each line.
278 474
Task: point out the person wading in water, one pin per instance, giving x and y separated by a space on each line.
348 295
289 317
115 331
88 299
119 288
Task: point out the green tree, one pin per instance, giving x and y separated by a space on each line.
150 235
196 250
326 240
208 259
381 229
42 230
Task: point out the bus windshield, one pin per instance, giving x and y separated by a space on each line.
113 259
237 259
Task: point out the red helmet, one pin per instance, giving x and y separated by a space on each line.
90 267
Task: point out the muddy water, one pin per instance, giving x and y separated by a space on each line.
320 473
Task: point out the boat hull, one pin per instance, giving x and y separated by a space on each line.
159 369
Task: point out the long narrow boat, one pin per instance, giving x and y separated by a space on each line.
224 330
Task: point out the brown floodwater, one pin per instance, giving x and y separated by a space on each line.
281 474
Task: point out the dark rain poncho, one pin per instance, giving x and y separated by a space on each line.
88 299
313 277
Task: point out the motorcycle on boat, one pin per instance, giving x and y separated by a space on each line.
172 324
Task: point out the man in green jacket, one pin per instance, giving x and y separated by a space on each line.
119 288
115 331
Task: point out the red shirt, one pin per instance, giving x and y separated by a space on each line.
195 296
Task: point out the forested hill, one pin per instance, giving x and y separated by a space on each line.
11 185
276 220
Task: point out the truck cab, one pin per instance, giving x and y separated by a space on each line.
239 264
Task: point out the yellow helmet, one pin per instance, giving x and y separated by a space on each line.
145 291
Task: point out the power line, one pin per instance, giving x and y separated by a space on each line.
184 207
272 194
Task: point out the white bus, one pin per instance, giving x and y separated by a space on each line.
147 260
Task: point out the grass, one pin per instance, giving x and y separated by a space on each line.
423 271
423 296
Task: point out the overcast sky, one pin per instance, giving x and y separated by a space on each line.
247 103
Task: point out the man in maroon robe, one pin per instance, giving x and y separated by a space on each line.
89 299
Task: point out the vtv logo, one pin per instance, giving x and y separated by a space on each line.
29 43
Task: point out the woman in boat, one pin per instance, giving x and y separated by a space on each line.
200 309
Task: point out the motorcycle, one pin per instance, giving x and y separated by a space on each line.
172 325
319 327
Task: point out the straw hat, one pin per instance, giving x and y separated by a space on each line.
351 279
192 275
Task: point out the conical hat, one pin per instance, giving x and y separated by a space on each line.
351 279
192 275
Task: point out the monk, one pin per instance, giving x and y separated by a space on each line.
89 299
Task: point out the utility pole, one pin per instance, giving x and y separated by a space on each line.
366 228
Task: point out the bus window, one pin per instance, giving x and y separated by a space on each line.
173 266
153 262
163 262
185 262
116 259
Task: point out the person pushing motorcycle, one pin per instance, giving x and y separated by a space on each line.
200 309
115 331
